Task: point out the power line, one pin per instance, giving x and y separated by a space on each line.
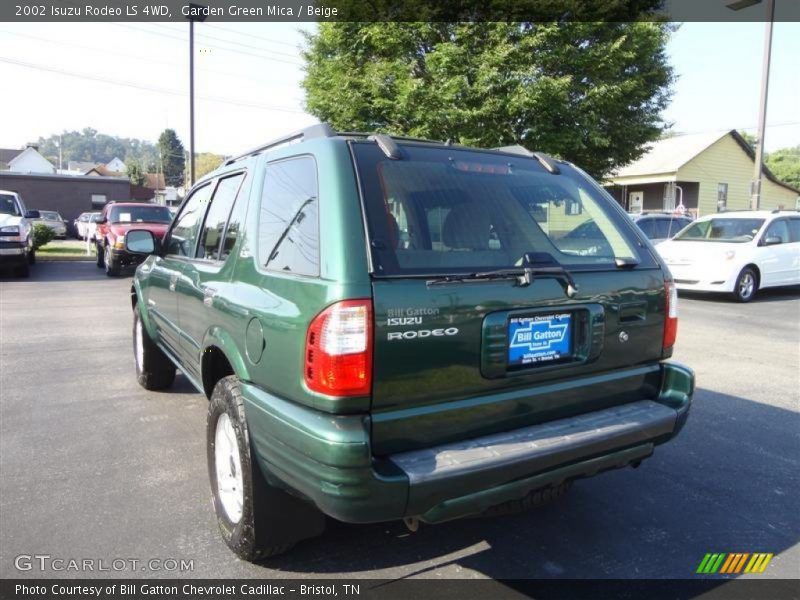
250 35
165 35
241 76
145 88
250 46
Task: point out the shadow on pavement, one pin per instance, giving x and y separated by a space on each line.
727 483
58 270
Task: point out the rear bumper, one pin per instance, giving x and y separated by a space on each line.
327 458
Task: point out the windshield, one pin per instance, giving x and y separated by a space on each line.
442 210
49 216
8 205
140 214
721 229
94 217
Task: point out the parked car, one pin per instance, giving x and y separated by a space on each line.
114 221
55 222
588 239
16 241
736 252
80 224
361 367
660 226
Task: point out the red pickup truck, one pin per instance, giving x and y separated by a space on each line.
116 219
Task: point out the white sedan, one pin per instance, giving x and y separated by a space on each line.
736 252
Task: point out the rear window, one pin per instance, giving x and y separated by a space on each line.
443 210
721 229
140 214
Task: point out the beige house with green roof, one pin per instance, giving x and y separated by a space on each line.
705 172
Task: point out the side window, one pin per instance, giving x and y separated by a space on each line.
794 230
183 235
217 217
677 225
648 227
778 229
288 236
235 224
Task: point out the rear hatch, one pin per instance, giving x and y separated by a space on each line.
504 295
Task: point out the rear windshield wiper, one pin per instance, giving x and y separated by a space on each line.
296 218
534 264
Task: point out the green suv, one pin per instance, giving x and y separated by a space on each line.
391 328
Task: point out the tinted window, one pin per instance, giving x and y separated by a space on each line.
183 236
794 229
289 220
722 229
217 217
233 231
139 214
648 227
676 225
778 229
444 210
8 205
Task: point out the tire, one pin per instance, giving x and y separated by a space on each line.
98 250
154 371
533 500
746 285
32 257
256 520
112 267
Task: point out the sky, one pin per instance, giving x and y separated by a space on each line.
131 80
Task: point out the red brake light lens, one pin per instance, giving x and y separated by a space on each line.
338 357
671 317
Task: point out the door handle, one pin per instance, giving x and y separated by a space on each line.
208 296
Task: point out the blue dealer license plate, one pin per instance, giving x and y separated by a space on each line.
539 339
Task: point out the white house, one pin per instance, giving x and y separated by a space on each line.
115 164
30 161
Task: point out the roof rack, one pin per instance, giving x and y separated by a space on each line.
320 130
387 143
548 162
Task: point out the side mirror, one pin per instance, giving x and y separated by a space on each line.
33 214
141 241
772 240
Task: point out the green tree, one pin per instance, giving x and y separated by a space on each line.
206 162
134 171
749 138
173 157
588 92
785 165
90 146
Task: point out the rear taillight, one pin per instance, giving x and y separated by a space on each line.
338 359
671 317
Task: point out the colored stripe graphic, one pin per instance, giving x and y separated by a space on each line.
733 562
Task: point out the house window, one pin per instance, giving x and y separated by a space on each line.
572 207
722 196
99 200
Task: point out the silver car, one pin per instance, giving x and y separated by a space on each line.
54 221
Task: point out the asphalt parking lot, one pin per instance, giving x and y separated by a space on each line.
93 466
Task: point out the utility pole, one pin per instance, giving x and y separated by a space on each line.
755 185
755 195
192 19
